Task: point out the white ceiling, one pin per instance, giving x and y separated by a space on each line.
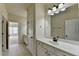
18 9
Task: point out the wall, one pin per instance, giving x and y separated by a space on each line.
40 18
58 20
78 9
0 35
3 13
47 23
22 28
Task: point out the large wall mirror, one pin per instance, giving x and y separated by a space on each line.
64 24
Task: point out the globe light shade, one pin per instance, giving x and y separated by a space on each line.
57 12
60 5
63 9
54 9
52 13
49 11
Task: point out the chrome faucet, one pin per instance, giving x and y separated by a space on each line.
55 39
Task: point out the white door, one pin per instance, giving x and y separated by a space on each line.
30 35
3 33
72 29
30 30
0 35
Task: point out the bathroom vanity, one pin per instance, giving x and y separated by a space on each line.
65 26
46 47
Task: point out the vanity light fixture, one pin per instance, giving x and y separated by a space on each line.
63 9
60 5
52 13
56 9
49 11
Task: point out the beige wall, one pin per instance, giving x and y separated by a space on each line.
78 9
40 18
3 13
47 22
3 10
58 20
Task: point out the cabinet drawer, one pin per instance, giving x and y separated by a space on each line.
50 53
61 53
49 48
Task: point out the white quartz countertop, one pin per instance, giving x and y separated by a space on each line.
64 46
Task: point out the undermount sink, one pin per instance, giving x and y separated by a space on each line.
54 43
59 43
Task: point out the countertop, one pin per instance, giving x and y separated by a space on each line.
64 46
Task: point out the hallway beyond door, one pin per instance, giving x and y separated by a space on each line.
13 33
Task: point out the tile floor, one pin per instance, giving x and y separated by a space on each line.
17 50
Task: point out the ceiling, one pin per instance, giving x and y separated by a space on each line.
18 9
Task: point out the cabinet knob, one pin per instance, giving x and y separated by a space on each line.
48 54
64 55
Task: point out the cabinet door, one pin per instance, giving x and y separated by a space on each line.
62 53
50 53
50 49
41 51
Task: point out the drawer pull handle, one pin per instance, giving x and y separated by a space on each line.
64 55
48 54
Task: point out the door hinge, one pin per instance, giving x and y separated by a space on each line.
2 33
2 45
2 21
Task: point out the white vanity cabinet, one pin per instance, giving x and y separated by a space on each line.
40 50
59 52
44 50
47 50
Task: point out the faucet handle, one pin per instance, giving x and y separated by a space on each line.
54 39
57 36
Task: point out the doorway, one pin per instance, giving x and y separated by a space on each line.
13 33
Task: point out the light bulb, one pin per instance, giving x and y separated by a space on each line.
57 12
54 9
49 10
63 9
52 13
60 5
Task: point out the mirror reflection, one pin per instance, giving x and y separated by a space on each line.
64 24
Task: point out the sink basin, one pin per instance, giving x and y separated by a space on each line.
59 43
54 43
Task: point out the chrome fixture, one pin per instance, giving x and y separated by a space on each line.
56 9
49 11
